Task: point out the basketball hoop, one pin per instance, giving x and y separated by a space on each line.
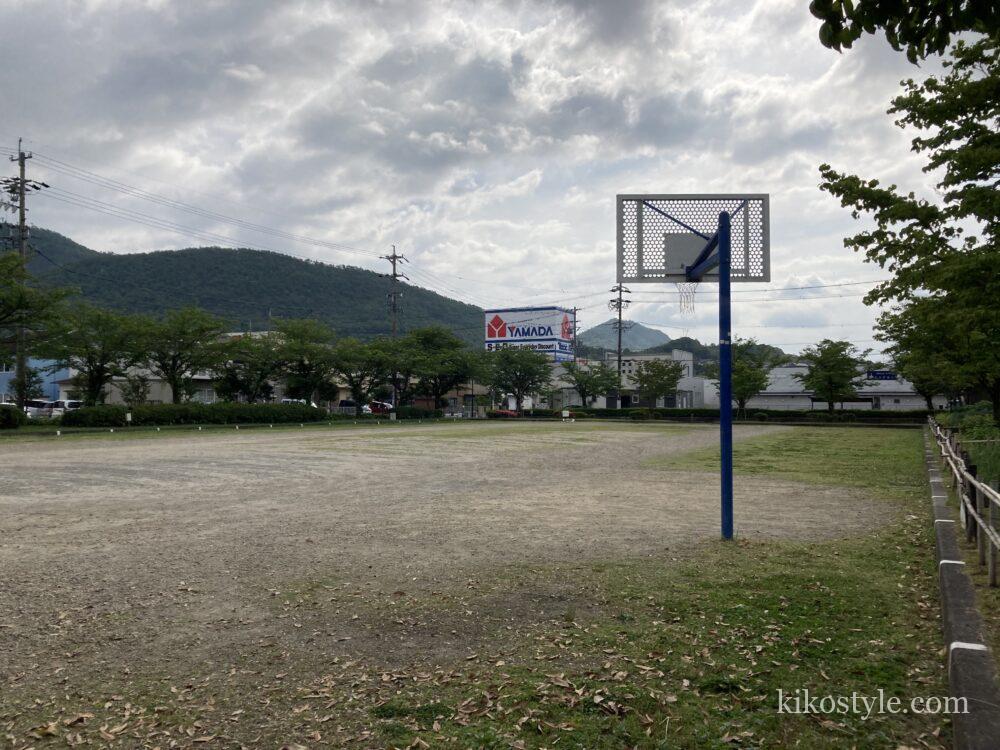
684 239
687 290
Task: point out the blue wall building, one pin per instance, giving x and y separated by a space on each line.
49 379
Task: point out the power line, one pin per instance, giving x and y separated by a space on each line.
135 192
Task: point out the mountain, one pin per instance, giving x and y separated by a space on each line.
246 287
635 338
705 354
57 248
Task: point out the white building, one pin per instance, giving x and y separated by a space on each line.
786 392
690 389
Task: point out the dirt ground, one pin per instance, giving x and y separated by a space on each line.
191 554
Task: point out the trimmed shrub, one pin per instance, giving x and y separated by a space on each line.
193 413
415 412
11 417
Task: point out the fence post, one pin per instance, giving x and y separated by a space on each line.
994 516
981 535
972 533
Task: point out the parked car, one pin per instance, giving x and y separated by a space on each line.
38 409
302 401
61 406
379 407
503 413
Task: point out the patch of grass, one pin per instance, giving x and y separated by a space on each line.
884 460
693 655
986 457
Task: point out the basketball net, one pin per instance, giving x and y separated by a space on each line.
686 290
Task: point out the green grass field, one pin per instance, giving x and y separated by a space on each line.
691 653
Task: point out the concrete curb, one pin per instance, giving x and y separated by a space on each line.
972 673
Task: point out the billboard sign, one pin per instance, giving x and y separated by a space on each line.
543 329
880 375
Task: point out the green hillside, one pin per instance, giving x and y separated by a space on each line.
246 287
636 337
58 248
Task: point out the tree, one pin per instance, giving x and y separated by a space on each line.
306 352
591 382
752 365
362 367
99 345
180 345
28 314
442 362
519 372
927 246
834 373
25 388
657 378
920 27
134 390
932 347
247 367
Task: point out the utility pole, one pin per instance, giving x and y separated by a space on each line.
394 294
21 361
619 304
576 354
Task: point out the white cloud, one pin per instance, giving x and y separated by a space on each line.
486 140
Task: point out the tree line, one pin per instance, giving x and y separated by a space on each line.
102 347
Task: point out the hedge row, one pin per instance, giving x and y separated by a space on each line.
757 415
415 412
219 413
193 413
11 417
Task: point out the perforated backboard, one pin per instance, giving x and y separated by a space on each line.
659 236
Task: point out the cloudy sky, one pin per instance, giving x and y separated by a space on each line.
485 140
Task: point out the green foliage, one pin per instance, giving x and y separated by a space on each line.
306 353
777 415
134 389
657 378
519 372
25 310
591 381
945 282
752 362
26 386
193 413
181 344
440 361
362 367
834 371
920 27
247 366
414 412
11 417
706 356
99 344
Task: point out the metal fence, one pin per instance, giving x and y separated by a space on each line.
979 506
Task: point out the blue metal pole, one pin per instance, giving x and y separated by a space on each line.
725 378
